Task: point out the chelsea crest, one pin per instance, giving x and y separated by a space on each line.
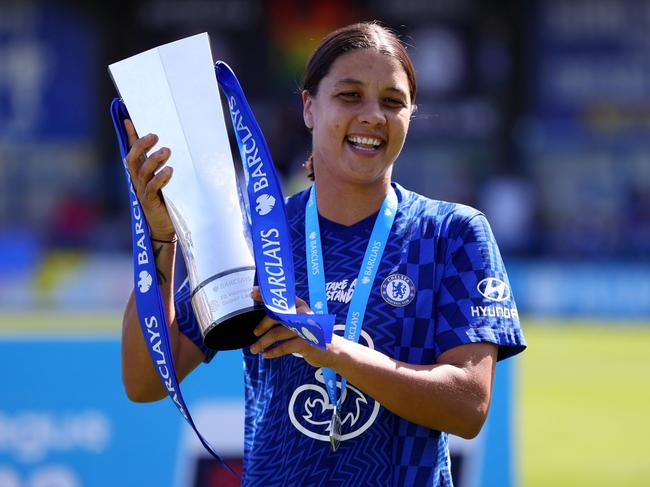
398 290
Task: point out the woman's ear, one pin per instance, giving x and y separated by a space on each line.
414 109
307 106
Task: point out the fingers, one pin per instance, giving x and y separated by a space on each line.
275 334
147 179
143 169
264 326
272 332
152 163
267 323
302 307
132 135
136 154
293 345
152 189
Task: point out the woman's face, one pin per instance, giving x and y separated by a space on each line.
360 117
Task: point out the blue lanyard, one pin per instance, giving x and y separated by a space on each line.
365 279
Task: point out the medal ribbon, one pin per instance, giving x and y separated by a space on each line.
365 279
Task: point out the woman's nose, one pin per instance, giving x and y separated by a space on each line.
371 113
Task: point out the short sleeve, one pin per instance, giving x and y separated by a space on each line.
186 319
474 298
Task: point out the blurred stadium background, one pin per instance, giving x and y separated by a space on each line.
535 112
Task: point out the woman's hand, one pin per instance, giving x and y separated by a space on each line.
147 184
277 340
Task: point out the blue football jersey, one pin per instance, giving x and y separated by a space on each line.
441 283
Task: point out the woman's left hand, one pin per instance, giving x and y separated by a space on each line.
277 340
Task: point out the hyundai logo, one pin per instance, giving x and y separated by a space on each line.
493 289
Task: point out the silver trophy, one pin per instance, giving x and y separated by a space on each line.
172 91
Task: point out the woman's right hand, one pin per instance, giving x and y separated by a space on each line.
147 183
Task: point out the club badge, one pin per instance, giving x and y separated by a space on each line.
398 290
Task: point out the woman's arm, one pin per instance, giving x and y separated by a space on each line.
139 377
452 395
138 373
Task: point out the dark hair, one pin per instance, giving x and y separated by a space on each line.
364 35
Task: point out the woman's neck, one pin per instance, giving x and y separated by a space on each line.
346 203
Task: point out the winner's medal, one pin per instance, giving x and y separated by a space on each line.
335 428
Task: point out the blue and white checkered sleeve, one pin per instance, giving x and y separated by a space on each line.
475 302
187 322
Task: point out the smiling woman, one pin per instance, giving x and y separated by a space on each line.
359 120
403 275
358 94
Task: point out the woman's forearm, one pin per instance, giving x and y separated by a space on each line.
445 396
138 373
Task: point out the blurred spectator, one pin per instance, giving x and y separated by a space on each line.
582 74
637 219
509 203
73 220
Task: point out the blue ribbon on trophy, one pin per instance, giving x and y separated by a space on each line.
269 231
148 297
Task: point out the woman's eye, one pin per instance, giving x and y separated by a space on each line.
349 95
394 102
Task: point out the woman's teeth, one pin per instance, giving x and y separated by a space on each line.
364 143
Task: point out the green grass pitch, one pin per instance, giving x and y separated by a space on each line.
63 324
583 402
584 405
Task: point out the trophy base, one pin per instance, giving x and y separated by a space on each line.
225 310
234 331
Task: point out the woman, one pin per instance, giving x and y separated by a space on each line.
438 317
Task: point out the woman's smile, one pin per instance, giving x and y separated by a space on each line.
366 144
